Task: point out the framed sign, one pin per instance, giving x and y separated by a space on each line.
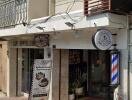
40 88
41 40
102 39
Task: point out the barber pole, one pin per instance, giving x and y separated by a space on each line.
114 67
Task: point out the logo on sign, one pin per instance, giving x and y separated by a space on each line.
102 39
41 40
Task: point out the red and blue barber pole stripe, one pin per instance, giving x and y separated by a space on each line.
114 67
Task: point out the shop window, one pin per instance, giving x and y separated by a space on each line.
29 55
89 69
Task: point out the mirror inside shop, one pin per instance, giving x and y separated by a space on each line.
89 75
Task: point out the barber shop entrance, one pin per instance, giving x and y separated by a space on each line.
89 74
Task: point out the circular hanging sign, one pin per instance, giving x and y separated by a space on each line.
41 40
102 39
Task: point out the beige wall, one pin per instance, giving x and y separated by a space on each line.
64 74
11 82
51 7
3 66
65 5
60 74
38 8
55 74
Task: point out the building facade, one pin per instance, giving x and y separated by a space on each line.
70 26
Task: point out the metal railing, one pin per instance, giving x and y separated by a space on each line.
13 12
96 6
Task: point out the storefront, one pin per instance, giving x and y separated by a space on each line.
90 70
76 62
89 74
24 54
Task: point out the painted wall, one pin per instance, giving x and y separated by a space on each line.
62 6
123 89
83 39
60 74
3 66
38 8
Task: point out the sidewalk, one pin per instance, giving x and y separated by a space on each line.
4 97
13 98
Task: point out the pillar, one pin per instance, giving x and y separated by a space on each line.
11 72
55 74
64 74
60 74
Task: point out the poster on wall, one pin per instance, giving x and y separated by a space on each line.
41 79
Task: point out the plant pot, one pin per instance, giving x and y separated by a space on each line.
71 97
79 91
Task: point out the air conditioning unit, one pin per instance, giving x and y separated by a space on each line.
97 6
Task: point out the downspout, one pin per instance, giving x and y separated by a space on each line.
128 74
51 7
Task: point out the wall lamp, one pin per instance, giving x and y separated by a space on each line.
69 24
40 28
76 31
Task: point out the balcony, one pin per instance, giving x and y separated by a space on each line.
98 6
13 12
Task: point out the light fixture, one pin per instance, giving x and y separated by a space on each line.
69 24
24 23
40 28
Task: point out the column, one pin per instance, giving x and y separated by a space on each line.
11 72
64 74
19 85
55 74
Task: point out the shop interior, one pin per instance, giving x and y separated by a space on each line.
89 72
29 55
89 75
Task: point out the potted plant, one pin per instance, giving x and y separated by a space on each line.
71 91
79 90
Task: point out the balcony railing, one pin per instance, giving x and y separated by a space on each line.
13 12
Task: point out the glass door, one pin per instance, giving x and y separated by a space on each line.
29 55
99 73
